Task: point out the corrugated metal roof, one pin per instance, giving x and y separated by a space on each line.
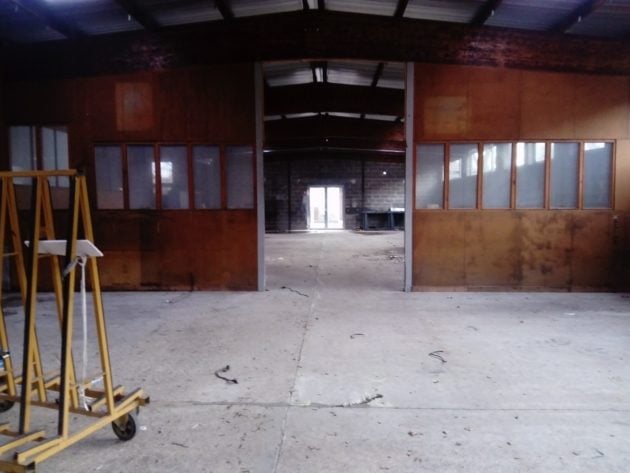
288 73
301 115
96 17
393 76
373 7
611 19
351 72
455 11
538 15
242 8
20 26
384 118
180 12
344 114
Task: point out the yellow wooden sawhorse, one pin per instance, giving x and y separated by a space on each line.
25 448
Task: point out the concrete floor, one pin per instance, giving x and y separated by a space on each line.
529 382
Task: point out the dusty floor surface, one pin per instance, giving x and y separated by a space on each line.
340 371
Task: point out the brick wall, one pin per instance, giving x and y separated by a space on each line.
368 184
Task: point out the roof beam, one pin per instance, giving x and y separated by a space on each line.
138 14
225 9
40 10
378 73
305 6
400 8
586 8
334 98
485 11
323 65
391 148
321 4
317 34
326 126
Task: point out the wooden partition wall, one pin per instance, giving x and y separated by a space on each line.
149 249
518 248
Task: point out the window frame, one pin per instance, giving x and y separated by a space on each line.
189 145
513 174
38 141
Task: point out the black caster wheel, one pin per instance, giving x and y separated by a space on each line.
6 405
125 427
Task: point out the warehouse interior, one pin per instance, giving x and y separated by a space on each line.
402 224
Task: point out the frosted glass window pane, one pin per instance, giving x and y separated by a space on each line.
141 167
530 175
462 176
55 153
597 175
564 175
430 177
207 169
174 177
240 177
109 181
22 150
497 167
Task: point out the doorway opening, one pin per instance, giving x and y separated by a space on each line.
334 147
325 208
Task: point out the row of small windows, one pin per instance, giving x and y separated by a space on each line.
522 175
39 147
171 177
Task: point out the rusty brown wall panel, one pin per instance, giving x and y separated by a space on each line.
622 174
235 107
545 249
154 249
52 102
600 108
523 249
439 248
217 250
593 245
514 249
487 235
174 99
475 103
546 105
494 103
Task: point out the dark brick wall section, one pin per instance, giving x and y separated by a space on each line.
368 184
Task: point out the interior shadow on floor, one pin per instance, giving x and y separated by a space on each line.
335 260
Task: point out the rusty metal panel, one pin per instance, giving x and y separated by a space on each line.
488 235
622 175
593 246
494 103
180 250
518 249
600 108
547 105
439 249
